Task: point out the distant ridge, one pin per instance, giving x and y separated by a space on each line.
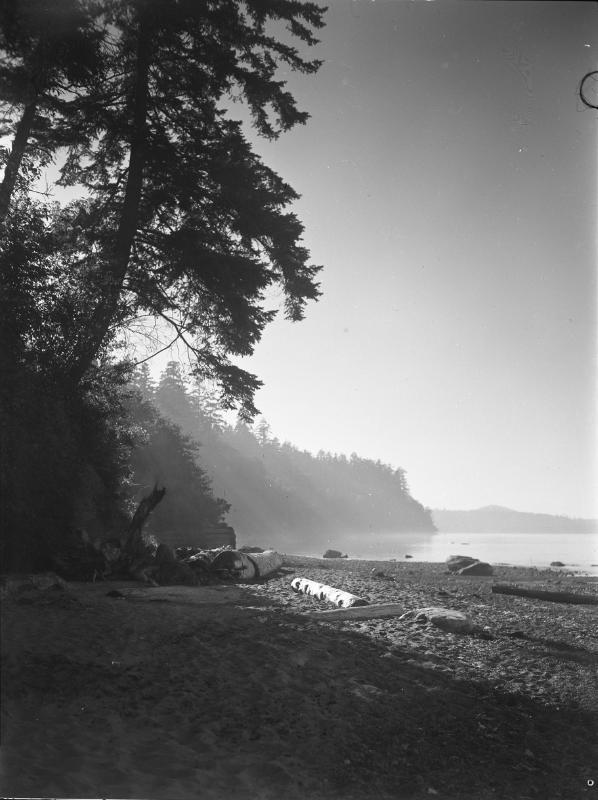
499 519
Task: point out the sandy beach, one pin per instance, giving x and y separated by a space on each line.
114 689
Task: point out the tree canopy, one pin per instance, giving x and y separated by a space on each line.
179 219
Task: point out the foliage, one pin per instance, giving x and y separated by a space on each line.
281 495
177 219
181 220
51 57
163 455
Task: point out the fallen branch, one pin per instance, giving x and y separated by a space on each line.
540 594
360 612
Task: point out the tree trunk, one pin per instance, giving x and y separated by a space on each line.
15 158
116 266
540 594
134 545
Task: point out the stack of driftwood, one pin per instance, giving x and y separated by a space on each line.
139 555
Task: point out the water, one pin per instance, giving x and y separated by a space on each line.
576 550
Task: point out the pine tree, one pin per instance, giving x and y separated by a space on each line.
172 399
207 405
51 59
142 380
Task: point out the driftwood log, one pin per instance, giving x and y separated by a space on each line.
541 594
321 591
379 611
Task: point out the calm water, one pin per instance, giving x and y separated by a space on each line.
576 550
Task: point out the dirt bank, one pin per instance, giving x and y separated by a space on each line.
234 692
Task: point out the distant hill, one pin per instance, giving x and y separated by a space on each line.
498 519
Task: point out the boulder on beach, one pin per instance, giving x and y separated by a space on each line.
333 554
556 564
455 563
444 618
477 568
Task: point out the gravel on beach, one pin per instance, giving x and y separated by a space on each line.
236 691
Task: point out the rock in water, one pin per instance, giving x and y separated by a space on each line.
444 618
477 568
455 563
556 564
332 554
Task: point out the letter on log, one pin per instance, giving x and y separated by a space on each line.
322 592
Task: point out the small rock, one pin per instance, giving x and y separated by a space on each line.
408 556
332 554
377 573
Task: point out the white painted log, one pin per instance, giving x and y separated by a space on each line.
379 610
323 592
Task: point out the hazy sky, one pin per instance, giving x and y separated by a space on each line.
448 182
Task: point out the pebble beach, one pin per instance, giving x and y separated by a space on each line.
240 691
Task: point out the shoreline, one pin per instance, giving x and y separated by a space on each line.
567 570
232 691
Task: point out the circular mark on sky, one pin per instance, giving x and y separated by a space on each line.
588 89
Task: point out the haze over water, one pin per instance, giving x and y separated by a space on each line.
579 551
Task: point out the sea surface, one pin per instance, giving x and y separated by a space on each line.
578 551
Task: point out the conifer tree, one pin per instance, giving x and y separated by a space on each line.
142 380
51 58
172 399
182 220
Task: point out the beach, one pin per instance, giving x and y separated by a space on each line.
116 689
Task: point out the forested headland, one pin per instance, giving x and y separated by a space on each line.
498 519
270 491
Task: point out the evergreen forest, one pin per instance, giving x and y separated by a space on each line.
271 492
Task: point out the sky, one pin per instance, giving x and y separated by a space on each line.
448 182
448 187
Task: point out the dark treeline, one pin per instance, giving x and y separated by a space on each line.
174 218
278 495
